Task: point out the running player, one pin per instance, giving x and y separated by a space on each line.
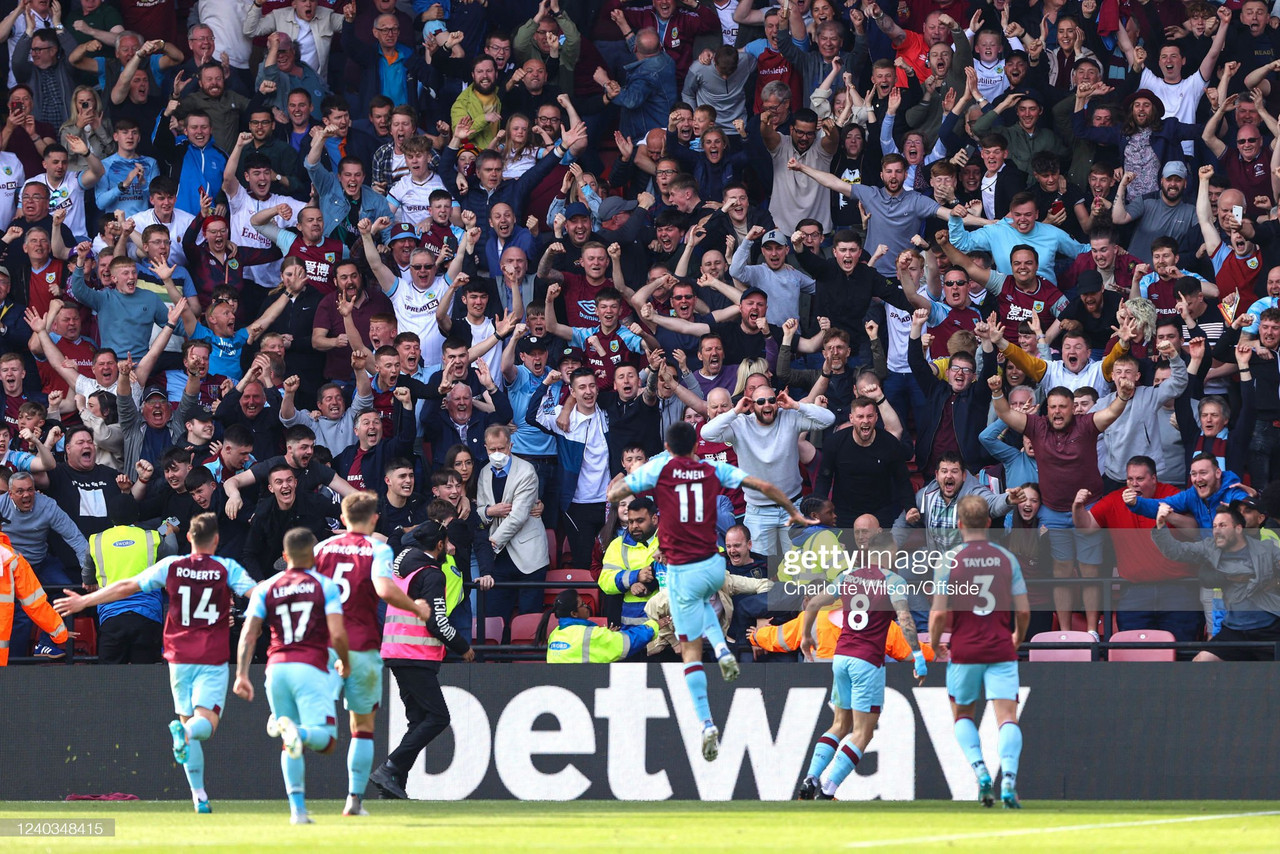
870 596
361 568
197 637
299 687
685 489
987 626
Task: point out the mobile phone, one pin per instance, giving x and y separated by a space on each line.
1057 207
1238 212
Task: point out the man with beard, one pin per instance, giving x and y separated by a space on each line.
334 422
1166 215
1113 264
223 107
1245 569
864 470
479 101
682 298
1067 458
955 408
764 430
795 198
935 504
747 337
896 213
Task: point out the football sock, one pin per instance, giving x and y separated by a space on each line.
195 765
823 751
198 728
315 737
967 736
696 678
1010 744
715 634
359 762
294 782
847 758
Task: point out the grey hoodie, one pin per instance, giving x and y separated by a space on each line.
769 452
1137 430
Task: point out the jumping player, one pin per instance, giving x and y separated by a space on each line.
299 687
986 629
870 597
685 489
197 637
361 568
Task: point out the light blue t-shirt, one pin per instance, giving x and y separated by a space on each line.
224 359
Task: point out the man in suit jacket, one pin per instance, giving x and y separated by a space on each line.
505 496
313 47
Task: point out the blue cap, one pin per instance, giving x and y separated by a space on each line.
576 209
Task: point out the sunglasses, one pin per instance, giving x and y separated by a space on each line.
765 401
420 267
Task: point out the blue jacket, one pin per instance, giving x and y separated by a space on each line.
133 200
1018 467
568 451
193 168
1187 501
649 95
333 201
515 192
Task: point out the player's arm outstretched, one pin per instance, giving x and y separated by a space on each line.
778 497
74 603
908 625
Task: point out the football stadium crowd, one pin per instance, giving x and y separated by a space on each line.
475 257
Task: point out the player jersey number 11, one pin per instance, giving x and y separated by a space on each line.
684 490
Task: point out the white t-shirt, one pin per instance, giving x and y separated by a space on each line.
728 26
243 206
416 313
991 80
1180 99
178 227
306 43
12 177
226 19
412 198
68 197
899 323
479 332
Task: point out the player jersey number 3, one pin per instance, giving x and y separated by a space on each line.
205 610
685 490
290 630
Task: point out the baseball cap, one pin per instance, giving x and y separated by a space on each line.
152 391
612 206
774 236
1250 502
286 41
576 209
200 414
1174 167
1089 282
401 230
574 354
529 343
753 292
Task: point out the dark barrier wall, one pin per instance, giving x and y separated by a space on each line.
629 732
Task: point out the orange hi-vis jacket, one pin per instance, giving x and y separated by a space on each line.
18 583
786 638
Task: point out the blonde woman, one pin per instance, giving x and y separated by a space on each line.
89 124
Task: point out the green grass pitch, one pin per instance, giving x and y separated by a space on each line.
601 826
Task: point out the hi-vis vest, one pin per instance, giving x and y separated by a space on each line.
406 636
123 552
590 644
623 560
453 591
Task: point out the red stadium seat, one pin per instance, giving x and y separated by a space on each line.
87 642
493 627
1062 654
591 594
524 628
1143 636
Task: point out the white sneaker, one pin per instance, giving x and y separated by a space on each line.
1096 637
729 669
710 743
300 817
273 726
355 806
292 741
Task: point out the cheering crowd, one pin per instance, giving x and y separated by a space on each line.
475 257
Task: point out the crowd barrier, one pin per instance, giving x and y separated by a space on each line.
628 731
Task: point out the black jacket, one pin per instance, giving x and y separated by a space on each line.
845 298
428 584
438 428
265 542
970 415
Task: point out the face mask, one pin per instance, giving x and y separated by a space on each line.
498 459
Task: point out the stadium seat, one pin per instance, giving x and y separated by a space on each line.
87 642
591 594
493 627
524 628
1142 636
1062 654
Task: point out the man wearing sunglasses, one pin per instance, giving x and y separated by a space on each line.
764 428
